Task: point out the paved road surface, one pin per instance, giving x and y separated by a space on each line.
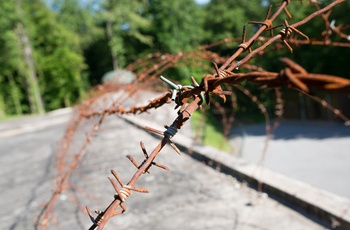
317 153
190 196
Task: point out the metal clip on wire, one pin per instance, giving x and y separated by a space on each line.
173 85
177 88
170 131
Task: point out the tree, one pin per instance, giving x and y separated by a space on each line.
176 25
18 61
225 19
30 71
59 56
79 19
122 18
18 67
9 61
39 56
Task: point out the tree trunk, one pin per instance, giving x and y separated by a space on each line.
2 106
15 95
110 36
33 90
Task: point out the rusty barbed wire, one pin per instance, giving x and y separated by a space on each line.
189 99
261 78
292 76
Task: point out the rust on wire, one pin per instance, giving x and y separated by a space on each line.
222 79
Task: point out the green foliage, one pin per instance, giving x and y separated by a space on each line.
209 130
176 25
225 19
57 57
10 59
75 42
123 21
61 81
2 107
79 20
316 59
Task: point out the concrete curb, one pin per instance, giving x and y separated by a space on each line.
328 209
60 116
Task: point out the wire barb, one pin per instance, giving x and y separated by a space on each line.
133 161
287 31
267 23
167 136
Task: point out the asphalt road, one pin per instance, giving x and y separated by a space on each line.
189 196
317 153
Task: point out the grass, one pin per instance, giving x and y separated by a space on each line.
211 133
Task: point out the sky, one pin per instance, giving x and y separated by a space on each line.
201 2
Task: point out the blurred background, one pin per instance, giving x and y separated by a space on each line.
53 51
